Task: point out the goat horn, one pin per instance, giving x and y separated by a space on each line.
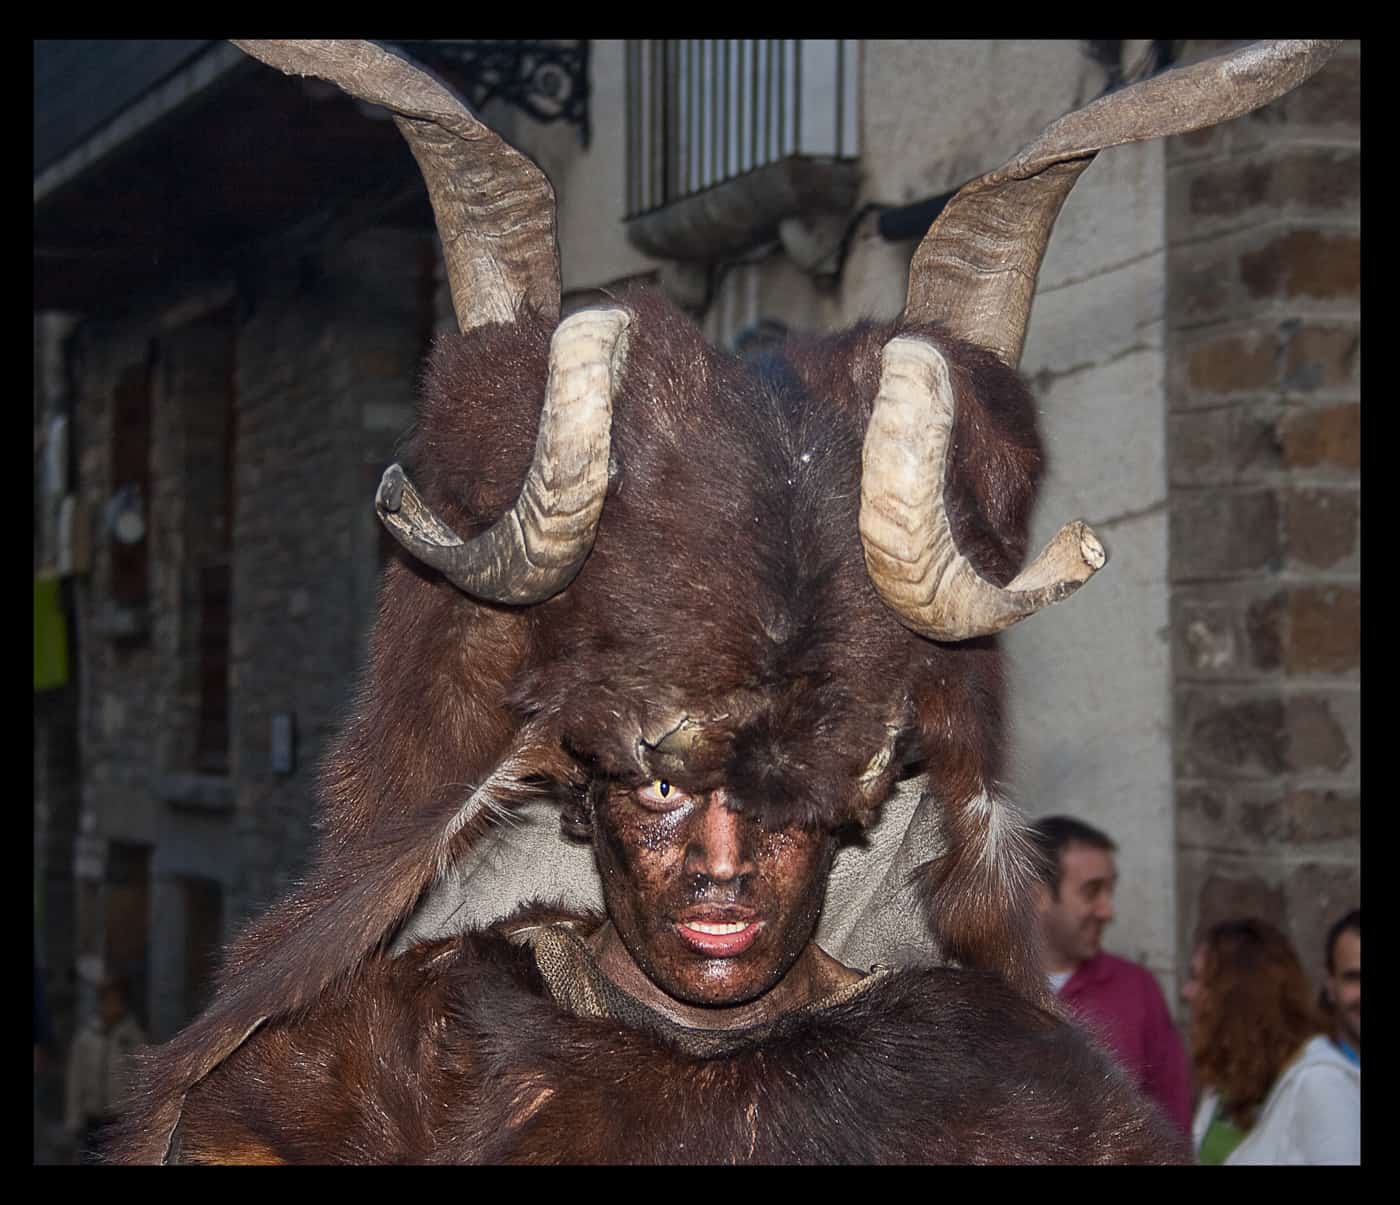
976 268
975 272
534 550
494 208
909 549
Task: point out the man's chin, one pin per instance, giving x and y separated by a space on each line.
717 987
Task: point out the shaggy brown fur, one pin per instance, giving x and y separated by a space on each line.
454 1054
726 583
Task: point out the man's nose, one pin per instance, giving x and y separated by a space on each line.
1104 910
719 848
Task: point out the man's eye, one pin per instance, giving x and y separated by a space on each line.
661 795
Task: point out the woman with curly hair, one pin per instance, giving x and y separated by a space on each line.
1274 1090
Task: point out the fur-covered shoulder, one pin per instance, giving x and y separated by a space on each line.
455 1052
927 1066
357 1076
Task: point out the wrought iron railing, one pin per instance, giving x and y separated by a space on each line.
701 111
546 79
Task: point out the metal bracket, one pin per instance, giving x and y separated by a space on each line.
548 80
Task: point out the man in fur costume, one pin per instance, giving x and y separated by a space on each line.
732 625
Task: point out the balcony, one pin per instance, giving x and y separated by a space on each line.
729 138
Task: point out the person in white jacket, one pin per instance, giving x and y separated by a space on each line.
1274 1089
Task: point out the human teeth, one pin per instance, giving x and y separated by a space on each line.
716 930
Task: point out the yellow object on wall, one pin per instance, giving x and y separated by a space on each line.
50 636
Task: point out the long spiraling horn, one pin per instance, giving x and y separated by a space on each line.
976 268
975 272
494 208
534 550
495 213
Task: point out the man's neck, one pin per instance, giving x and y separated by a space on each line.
812 977
1057 964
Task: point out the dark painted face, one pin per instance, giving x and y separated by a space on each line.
713 908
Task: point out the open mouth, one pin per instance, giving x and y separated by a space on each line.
718 939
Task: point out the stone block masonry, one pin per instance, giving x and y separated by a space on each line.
1263 447
319 361
308 546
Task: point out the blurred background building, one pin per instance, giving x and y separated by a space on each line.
236 279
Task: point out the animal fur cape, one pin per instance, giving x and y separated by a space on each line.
505 1045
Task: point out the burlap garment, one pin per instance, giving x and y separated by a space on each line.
872 914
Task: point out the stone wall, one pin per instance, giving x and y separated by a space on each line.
1263 446
56 777
1090 680
132 711
187 811
322 358
328 363
121 686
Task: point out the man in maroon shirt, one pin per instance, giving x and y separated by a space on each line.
1117 999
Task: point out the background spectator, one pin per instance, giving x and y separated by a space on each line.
1274 1089
98 1066
1118 999
1341 993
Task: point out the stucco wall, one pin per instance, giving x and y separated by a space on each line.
1089 692
590 182
1090 679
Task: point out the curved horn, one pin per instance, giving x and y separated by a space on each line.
494 207
535 549
909 548
976 268
975 272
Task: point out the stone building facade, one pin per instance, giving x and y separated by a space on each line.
1264 458
1194 347
301 392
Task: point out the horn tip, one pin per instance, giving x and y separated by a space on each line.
389 497
1091 549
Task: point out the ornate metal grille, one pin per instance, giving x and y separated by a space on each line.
548 80
701 111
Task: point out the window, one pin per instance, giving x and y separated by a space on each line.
202 382
705 110
126 919
203 904
215 615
